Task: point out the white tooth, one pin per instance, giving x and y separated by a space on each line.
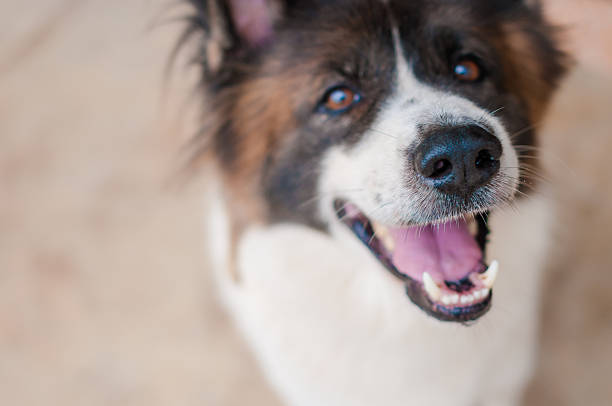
382 233
477 294
488 278
446 300
464 300
389 242
470 298
454 299
484 293
432 289
379 229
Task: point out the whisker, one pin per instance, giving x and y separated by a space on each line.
497 110
383 133
524 130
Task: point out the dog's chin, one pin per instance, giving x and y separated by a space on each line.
442 264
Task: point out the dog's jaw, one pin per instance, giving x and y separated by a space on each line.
441 265
375 176
321 316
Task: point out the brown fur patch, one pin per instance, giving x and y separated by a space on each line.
532 67
262 119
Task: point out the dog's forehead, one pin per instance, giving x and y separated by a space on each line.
347 30
365 14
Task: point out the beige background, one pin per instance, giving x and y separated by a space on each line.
104 293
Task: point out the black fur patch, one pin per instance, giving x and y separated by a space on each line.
268 131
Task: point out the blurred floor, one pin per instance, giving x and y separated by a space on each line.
104 293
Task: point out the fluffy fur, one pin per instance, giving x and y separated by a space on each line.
328 323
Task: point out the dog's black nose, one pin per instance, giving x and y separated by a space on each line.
457 160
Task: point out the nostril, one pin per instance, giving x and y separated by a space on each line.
485 160
458 160
441 168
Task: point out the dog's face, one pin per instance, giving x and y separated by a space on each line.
399 124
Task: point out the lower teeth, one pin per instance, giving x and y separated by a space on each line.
465 299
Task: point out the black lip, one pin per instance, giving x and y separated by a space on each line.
362 228
417 295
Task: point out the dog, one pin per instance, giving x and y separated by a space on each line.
373 225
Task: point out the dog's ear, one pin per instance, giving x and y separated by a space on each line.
233 27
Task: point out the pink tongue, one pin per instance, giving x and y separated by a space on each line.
447 251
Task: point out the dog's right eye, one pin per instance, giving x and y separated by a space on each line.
468 70
340 99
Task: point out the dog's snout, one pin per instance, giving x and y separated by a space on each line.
458 160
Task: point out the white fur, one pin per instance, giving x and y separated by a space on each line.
331 327
376 166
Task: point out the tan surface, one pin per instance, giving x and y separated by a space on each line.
104 294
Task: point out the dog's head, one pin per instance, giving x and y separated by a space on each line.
397 123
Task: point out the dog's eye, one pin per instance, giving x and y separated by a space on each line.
467 70
340 99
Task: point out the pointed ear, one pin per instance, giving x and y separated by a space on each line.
229 27
254 19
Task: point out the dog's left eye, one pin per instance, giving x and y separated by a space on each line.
468 70
339 99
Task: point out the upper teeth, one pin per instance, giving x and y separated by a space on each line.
382 233
488 278
432 289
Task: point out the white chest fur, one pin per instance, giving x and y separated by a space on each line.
331 327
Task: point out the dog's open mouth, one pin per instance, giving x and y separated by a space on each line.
441 264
